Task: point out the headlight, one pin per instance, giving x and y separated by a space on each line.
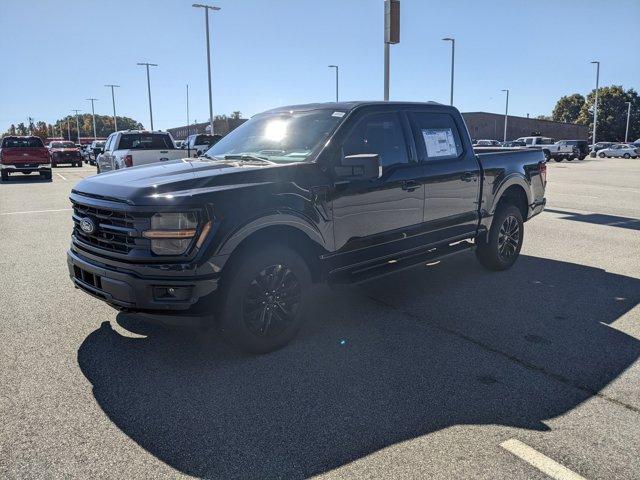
171 233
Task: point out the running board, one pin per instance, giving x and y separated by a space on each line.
388 267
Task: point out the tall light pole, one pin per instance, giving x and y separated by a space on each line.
77 122
595 107
187 109
68 130
336 67
93 116
149 88
391 36
626 132
206 21
113 101
506 114
453 56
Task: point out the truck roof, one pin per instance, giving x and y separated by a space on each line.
345 105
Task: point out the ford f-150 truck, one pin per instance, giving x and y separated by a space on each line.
336 192
65 152
24 154
551 149
132 148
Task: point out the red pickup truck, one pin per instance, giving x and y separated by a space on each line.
25 155
64 152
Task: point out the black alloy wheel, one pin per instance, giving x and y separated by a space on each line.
508 238
271 301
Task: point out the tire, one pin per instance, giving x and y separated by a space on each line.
569 159
261 303
4 176
626 155
601 155
98 169
557 159
53 164
582 157
494 252
46 175
547 155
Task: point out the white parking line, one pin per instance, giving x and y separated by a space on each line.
64 178
540 461
37 211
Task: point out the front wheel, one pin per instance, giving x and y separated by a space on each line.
501 247
261 302
558 159
626 155
601 155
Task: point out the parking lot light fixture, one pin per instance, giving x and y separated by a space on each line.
626 132
113 101
206 21
77 122
453 56
595 105
146 64
337 79
506 114
93 116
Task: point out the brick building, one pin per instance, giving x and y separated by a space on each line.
484 125
220 126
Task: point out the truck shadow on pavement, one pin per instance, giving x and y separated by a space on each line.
375 365
600 219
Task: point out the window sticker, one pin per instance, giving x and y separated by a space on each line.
338 114
440 142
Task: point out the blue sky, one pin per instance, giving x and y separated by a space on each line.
267 53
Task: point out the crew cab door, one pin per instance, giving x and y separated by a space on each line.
452 171
374 218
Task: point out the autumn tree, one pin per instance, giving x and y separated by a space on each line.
568 108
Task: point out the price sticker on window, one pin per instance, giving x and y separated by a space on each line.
439 142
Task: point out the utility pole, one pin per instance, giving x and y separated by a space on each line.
337 80
93 116
595 107
206 21
188 127
149 88
626 132
506 115
453 56
68 129
77 123
391 37
113 100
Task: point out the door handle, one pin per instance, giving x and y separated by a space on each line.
410 185
468 176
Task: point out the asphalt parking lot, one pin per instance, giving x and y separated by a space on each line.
447 371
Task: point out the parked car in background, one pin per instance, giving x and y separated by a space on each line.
487 143
334 193
620 150
95 148
64 152
24 154
513 144
196 145
131 148
550 149
583 147
178 143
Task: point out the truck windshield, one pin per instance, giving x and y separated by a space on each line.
279 137
63 145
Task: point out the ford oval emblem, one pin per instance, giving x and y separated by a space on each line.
87 225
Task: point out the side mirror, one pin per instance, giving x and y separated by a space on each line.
364 166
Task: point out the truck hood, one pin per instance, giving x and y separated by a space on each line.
177 181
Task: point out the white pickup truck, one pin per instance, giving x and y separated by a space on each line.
131 148
551 149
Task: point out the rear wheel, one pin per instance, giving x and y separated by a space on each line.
601 155
261 303
558 159
46 175
501 247
626 155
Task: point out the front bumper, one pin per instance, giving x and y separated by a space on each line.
127 291
26 168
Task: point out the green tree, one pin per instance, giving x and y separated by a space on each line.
236 115
21 129
568 108
40 129
543 117
11 130
612 113
104 125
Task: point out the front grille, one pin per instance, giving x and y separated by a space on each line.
114 230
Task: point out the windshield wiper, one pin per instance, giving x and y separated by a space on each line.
248 158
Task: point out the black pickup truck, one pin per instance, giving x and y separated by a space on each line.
334 192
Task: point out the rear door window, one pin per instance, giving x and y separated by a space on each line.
436 136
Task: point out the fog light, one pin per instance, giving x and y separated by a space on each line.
172 293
